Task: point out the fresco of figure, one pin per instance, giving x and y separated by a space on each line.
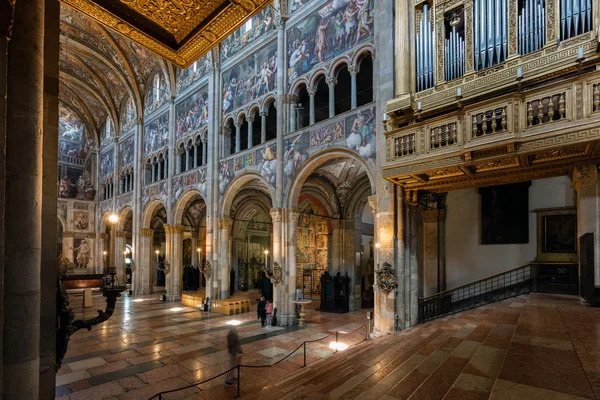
156 134
259 25
82 253
192 113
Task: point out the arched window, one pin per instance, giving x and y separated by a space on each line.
322 100
271 126
343 91
364 81
302 108
230 129
156 88
244 133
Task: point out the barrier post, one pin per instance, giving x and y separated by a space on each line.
239 381
304 355
367 334
336 341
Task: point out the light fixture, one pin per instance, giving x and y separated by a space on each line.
266 252
113 218
104 252
234 322
156 252
377 245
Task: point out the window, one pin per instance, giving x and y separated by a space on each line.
156 87
247 26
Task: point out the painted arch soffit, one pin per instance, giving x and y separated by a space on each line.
180 31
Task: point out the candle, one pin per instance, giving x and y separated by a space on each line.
266 258
385 117
519 73
580 53
156 255
459 92
419 106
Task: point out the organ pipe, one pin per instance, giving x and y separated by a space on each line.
424 40
532 33
454 51
575 17
490 32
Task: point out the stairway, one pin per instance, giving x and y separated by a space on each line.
530 347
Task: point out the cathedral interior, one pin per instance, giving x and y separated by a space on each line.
406 192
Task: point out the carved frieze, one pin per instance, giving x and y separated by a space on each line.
386 279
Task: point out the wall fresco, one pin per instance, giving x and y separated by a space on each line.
250 78
152 103
72 140
192 113
202 182
152 192
81 220
225 175
128 117
187 77
243 162
297 5
126 151
108 133
267 162
295 153
261 24
124 200
325 33
107 163
360 131
156 134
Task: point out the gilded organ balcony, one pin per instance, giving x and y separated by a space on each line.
538 131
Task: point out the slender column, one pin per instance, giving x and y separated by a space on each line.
411 284
195 155
188 158
159 169
432 251
224 256
263 126
204 145
23 202
349 265
145 266
331 82
353 70
311 97
277 218
120 257
587 184
292 224
238 127
113 238
250 121
402 42
153 168
178 153
293 102
280 104
174 251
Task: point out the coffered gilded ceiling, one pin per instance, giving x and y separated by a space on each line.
180 31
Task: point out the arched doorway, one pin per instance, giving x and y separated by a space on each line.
191 214
158 246
151 250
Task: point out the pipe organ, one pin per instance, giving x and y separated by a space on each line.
454 51
424 38
532 29
490 32
575 18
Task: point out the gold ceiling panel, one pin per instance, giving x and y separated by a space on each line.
181 31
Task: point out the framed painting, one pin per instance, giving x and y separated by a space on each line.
557 234
505 214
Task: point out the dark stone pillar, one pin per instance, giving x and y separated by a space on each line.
23 202
49 202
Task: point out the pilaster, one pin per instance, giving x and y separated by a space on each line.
174 250
433 251
144 272
224 225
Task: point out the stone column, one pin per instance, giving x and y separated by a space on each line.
120 240
292 224
159 170
587 184
349 265
23 202
195 247
145 266
411 265
311 90
293 102
224 256
174 251
433 254
277 218
331 82
250 121
402 44
204 142
195 163
238 127
337 245
281 107
178 153
263 127
353 70
103 245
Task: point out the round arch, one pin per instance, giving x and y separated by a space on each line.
319 74
149 212
122 214
314 162
234 187
181 203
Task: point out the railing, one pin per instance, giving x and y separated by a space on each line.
511 283
239 367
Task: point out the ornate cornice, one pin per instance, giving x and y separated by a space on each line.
174 229
146 232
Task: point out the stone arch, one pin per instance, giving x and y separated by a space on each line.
317 75
338 64
362 51
297 85
149 212
315 161
122 214
234 187
266 103
181 203
358 199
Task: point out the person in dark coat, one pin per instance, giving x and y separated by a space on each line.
235 354
262 311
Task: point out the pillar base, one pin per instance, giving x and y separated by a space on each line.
285 319
173 297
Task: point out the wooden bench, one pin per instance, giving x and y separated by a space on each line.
231 306
244 304
193 299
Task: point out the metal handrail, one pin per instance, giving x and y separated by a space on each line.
239 366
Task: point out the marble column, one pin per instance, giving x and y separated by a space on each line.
174 250
411 264
225 225
238 128
250 121
586 182
145 266
188 158
23 203
331 82
311 90
204 143
432 250
277 219
353 70
120 257
292 224
402 44
280 21
293 103
178 153
195 163
263 126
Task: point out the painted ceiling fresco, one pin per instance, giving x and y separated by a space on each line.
257 26
187 77
73 143
325 33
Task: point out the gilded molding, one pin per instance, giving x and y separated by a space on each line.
174 229
146 232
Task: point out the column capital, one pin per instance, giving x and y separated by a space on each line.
174 229
224 223
250 119
263 113
584 175
121 234
276 214
293 215
336 224
237 123
331 80
411 198
311 90
146 232
102 235
353 69
373 203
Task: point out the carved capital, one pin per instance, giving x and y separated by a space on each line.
250 119
584 175
224 223
67 234
276 214
311 90
353 69
293 215
174 229
263 113
102 235
411 198
121 234
331 80
146 232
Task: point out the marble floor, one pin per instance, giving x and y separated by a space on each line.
148 346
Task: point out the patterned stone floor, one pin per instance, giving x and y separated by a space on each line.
148 346
536 347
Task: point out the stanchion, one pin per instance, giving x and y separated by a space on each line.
336 341
304 355
239 381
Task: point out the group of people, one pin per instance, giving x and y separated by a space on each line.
193 115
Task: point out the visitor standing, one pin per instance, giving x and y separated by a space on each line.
269 309
235 354
262 311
